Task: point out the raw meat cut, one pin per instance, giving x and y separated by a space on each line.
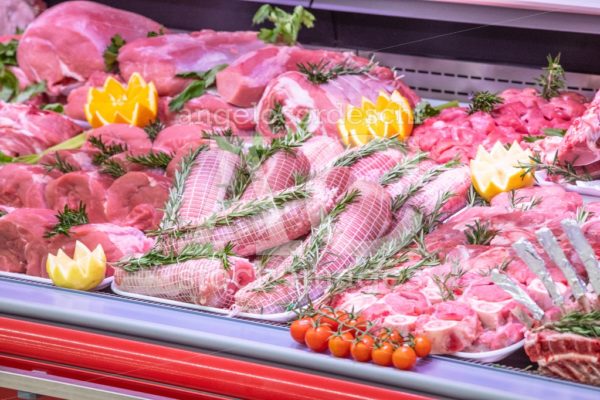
75 187
23 248
207 184
17 14
65 44
324 104
373 167
581 146
80 160
204 281
23 185
175 137
551 199
25 129
133 137
159 59
278 172
565 355
244 81
321 152
277 226
353 236
118 242
136 199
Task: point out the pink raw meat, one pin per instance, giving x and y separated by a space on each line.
451 327
321 152
136 199
495 339
118 242
80 160
373 167
131 136
278 172
551 199
324 104
159 59
23 248
580 144
23 185
244 81
75 187
204 282
175 137
17 14
65 44
25 129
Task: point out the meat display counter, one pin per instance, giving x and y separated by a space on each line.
59 343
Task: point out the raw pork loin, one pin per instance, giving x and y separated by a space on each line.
23 248
25 129
160 58
65 44
134 138
23 185
204 281
17 14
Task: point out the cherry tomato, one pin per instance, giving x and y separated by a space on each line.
382 355
356 326
339 345
299 327
361 348
317 337
404 358
327 316
422 346
390 335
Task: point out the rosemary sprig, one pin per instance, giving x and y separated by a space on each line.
448 283
402 168
276 119
106 151
300 178
579 323
193 251
59 164
484 101
171 218
519 203
480 233
474 199
424 110
112 52
286 26
323 71
566 171
376 145
153 129
552 80
68 218
112 168
152 160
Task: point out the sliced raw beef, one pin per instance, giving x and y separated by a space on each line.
274 227
23 248
25 129
321 152
354 235
159 59
207 184
324 104
204 282
565 355
134 138
581 144
137 199
212 112
451 327
118 242
17 14
65 44
75 187
278 172
77 98
175 137
23 185
244 81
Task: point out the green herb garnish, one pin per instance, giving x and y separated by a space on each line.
8 52
424 110
112 168
160 32
276 120
323 72
286 26
152 160
552 79
480 233
153 129
484 101
350 158
579 323
67 219
55 107
106 151
59 164
112 52
201 82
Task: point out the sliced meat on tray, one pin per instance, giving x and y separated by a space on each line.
23 248
65 44
353 235
75 187
175 137
159 59
204 282
244 81
129 137
291 96
25 129
137 199
23 185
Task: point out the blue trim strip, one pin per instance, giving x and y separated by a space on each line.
219 334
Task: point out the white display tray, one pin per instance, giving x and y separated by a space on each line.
279 317
491 356
104 284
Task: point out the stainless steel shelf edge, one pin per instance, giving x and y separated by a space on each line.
437 376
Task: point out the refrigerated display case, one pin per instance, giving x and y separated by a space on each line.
59 343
